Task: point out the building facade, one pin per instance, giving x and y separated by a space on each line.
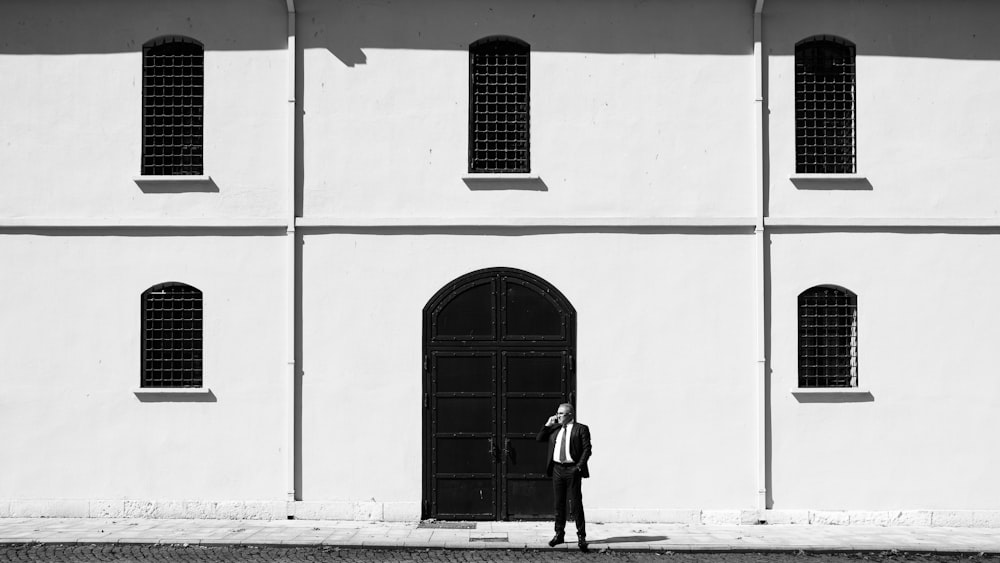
342 259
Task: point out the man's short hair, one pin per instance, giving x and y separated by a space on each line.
569 407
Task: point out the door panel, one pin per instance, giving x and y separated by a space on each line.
465 499
525 455
465 414
465 455
498 348
531 314
464 372
535 373
467 314
533 384
529 498
527 414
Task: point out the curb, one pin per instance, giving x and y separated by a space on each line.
494 546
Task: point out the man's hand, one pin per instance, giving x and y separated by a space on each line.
552 420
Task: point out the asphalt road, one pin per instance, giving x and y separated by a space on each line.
137 553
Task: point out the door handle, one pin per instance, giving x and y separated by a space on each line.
493 451
506 449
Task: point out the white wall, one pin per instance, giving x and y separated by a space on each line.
71 330
926 353
73 119
928 147
928 127
637 108
640 112
665 354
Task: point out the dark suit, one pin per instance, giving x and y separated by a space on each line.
566 478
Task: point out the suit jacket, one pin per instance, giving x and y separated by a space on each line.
579 446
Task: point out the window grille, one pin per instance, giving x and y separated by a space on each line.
498 105
828 338
171 336
173 77
825 107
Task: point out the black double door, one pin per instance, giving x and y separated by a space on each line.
498 360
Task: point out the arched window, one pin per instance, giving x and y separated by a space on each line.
825 106
171 336
499 83
828 337
173 91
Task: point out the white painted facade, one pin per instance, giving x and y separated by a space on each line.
662 203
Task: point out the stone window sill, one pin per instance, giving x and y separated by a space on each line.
830 181
514 181
833 394
174 394
176 184
828 177
839 390
495 176
178 179
171 390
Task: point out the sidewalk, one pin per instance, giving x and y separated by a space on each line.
494 535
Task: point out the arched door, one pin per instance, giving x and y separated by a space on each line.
498 360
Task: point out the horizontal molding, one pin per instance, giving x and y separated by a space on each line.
141 222
907 222
494 222
743 222
409 511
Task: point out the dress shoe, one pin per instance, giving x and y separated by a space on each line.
581 542
556 540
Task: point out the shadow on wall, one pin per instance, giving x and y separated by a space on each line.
347 28
961 29
122 26
904 28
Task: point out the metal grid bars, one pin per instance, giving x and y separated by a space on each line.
173 78
824 107
172 336
828 338
498 105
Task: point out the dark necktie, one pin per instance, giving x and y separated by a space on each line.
562 445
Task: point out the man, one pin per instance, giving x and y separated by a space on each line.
568 452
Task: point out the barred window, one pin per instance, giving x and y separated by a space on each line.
828 337
171 336
824 106
499 81
173 88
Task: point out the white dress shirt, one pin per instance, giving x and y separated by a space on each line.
564 433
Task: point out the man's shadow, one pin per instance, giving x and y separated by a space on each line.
629 539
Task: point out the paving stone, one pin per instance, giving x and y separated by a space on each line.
528 535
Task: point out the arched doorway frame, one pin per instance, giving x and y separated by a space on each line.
505 343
